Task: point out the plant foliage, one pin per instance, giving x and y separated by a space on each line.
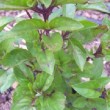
50 69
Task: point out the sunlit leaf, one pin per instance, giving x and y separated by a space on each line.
15 5
89 89
79 53
7 78
65 24
16 57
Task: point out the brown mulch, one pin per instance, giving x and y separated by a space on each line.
6 99
96 15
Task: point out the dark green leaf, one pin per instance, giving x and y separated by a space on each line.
55 102
27 71
19 75
23 104
24 89
59 83
23 73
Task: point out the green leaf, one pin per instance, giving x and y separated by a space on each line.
98 63
48 82
46 61
105 40
54 42
23 104
65 24
95 6
27 72
16 57
7 45
59 83
80 102
106 21
95 1
99 104
24 89
32 47
89 89
92 70
55 102
4 21
6 80
69 10
3 76
61 2
25 29
43 81
88 24
23 73
108 102
62 58
15 5
40 81
50 71
19 75
30 23
55 13
88 93
79 53
47 3
31 3
23 97
85 36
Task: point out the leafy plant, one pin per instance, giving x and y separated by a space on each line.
50 69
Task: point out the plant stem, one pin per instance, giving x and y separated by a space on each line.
28 14
38 10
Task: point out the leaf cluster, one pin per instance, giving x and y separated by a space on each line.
53 70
